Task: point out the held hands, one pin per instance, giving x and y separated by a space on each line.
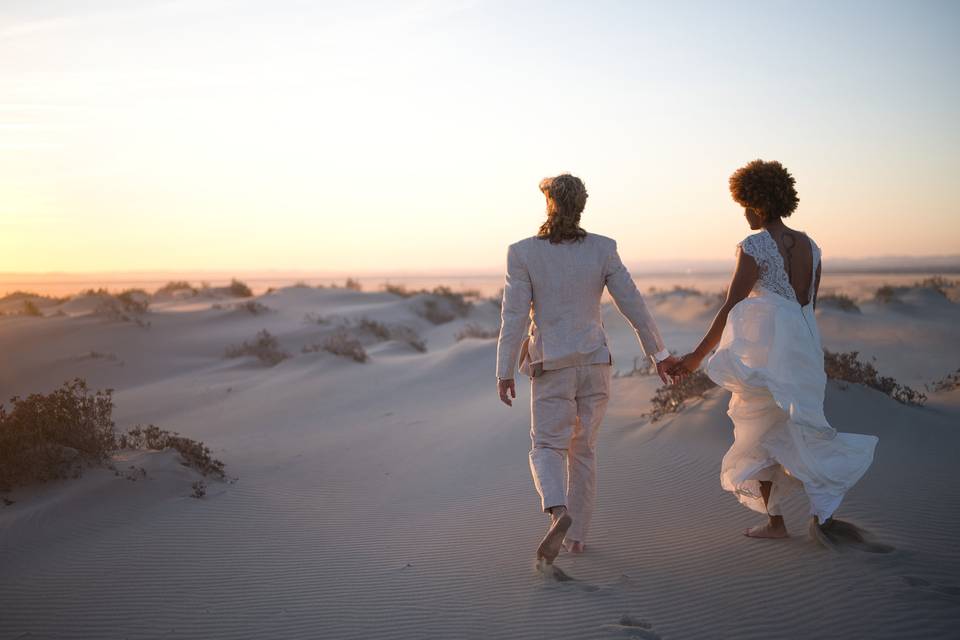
507 390
665 369
684 366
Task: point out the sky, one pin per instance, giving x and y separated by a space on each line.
411 136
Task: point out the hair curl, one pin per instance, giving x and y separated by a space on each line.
566 198
765 186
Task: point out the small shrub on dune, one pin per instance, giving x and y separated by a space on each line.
445 306
939 284
30 308
672 398
340 344
642 366
195 454
376 329
134 300
886 294
239 289
176 286
475 331
353 284
409 337
399 290
265 348
252 307
846 367
838 301
950 382
50 436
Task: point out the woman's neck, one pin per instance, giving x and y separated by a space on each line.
775 224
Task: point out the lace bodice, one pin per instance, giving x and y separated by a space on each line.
773 276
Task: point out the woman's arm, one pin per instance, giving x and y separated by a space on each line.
744 278
816 287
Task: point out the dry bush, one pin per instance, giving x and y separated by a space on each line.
341 344
886 294
408 336
445 306
476 331
672 398
845 367
399 290
195 454
252 307
939 284
838 301
642 366
175 286
378 330
353 284
199 489
265 348
316 318
30 308
239 289
949 382
127 306
48 437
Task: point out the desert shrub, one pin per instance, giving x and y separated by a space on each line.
886 294
49 436
199 489
300 284
175 286
353 284
838 301
950 382
265 348
399 290
134 300
30 308
378 330
846 367
408 336
672 398
341 344
316 318
195 454
239 289
457 301
642 366
433 311
476 331
252 307
939 284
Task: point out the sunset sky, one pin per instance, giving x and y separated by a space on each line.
376 136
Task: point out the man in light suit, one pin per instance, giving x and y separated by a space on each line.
556 278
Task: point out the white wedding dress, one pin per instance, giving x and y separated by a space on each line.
771 359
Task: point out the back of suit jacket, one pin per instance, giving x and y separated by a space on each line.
559 287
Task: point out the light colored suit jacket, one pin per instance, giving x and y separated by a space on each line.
559 286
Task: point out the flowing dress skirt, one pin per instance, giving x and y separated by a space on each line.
771 359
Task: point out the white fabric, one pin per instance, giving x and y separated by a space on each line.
563 283
771 359
661 355
566 407
773 276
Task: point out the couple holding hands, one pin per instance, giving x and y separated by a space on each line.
765 349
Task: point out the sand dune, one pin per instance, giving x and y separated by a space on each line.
392 498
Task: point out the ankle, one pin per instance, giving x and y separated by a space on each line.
777 522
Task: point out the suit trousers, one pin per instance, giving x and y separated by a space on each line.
567 406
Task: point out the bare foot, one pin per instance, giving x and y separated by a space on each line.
575 546
550 545
767 530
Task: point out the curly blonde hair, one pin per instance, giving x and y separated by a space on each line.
765 186
566 198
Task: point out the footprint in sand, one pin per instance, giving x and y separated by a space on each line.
554 573
929 588
632 627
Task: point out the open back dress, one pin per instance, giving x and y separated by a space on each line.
771 359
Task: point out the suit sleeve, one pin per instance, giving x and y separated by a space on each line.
631 305
514 313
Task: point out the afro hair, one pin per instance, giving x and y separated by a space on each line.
765 186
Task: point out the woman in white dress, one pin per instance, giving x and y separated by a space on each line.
770 357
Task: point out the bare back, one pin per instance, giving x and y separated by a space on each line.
797 254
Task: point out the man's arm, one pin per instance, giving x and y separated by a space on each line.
514 312
631 305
